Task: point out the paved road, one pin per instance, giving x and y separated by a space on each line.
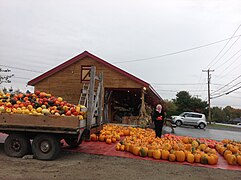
208 133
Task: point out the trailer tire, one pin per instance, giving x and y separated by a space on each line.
17 145
73 142
45 147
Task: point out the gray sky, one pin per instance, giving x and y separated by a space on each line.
39 35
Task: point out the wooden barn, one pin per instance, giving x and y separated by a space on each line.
123 92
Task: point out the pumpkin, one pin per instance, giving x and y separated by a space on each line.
131 148
126 132
202 146
122 148
185 140
113 139
150 153
195 144
165 154
127 147
108 141
231 159
93 137
190 158
197 158
226 153
157 154
171 157
102 138
234 149
143 152
239 159
211 160
180 156
117 147
204 159
136 150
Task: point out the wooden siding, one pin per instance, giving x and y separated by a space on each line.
66 83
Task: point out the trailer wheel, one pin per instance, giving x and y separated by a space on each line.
17 145
45 147
73 142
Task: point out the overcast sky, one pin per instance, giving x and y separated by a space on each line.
39 35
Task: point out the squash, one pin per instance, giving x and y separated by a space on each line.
136 150
197 158
180 156
150 153
204 159
239 159
157 154
143 152
165 154
190 158
172 157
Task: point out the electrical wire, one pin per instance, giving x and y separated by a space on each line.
177 52
23 69
223 48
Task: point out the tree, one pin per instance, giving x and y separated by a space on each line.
218 115
171 108
185 102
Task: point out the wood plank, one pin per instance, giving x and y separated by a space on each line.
39 121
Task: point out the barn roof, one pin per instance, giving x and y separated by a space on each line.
87 54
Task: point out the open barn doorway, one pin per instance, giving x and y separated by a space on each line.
122 102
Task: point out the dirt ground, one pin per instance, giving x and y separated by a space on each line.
86 166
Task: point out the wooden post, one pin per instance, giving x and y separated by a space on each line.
99 117
90 111
143 109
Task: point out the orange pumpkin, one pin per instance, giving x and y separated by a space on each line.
197 158
122 148
239 159
113 139
171 157
102 138
93 137
165 154
136 150
150 153
108 141
157 154
190 158
117 147
180 156
126 132
226 153
211 160
231 159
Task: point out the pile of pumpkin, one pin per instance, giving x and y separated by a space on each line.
230 150
142 142
38 103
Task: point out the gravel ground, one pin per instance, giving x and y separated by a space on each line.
86 166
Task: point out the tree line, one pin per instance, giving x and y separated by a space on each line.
184 102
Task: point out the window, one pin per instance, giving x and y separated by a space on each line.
85 74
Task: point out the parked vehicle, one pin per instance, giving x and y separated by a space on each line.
190 119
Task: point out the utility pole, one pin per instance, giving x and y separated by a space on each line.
209 105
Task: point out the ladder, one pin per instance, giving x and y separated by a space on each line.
83 100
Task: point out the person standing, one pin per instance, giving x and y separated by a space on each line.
158 119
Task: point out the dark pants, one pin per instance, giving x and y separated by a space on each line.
158 128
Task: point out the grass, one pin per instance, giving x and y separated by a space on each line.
223 127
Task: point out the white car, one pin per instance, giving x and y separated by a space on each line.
190 119
239 124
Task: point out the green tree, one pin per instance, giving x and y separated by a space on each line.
218 115
185 102
171 108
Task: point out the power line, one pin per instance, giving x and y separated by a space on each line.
223 49
23 69
227 84
177 52
175 84
226 92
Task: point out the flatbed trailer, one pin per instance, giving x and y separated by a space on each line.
41 134
45 133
